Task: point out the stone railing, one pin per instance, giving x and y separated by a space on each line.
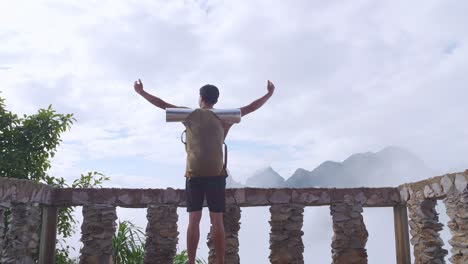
421 199
33 208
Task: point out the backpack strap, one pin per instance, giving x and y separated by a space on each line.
182 137
225 157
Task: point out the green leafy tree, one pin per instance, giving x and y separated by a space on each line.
27 143
26 146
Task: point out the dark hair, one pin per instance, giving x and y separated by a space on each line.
209 93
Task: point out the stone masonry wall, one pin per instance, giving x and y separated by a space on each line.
22 237
424 229
457 210
2 227
162 234
350 233
421 199
96 234
434 188
286 234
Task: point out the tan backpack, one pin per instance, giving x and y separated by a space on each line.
204 144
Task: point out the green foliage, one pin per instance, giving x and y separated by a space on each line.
90 180
128 243
62 256
66 225
129 246
26 146
28 143
182 258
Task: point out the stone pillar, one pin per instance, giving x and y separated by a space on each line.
286 234
2 227
231 220
22 238
350 233
162 234
457 210
424 229
96 234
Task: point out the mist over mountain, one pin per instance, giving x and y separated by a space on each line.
389 167
266 178
231 183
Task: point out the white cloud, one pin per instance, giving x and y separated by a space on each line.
350 77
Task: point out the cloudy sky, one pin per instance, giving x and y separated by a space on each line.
351 76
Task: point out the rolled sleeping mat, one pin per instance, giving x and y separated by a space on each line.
180 114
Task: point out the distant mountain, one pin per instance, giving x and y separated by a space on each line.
298 178
266 178
388 167
231 183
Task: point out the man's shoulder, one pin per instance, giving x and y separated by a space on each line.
226 124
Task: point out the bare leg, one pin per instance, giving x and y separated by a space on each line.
193 235
218 236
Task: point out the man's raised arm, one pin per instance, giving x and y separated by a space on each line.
259 102
138 85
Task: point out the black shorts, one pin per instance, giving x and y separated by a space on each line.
213 187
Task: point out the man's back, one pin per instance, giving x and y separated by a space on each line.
205 134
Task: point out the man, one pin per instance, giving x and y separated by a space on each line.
211 186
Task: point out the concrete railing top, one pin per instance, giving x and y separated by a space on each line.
24 191
382 197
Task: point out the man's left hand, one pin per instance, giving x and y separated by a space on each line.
138 85
270 87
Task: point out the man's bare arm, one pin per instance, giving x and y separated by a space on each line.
138 85
259 102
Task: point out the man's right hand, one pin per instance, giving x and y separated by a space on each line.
138 85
